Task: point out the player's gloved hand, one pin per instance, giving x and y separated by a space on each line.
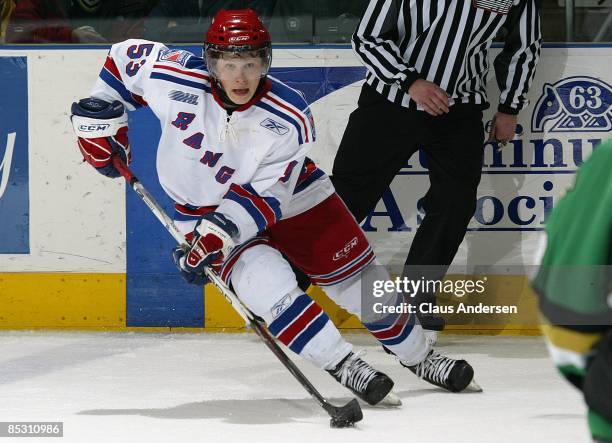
212 242
101 128
178 255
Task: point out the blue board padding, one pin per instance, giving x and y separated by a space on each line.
316 83
157 296
15 199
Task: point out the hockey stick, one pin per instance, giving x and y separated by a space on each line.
341 416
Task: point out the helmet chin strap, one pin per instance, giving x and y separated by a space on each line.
229 104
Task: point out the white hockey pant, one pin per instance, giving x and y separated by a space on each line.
265 282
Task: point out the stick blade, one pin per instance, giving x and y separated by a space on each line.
346 416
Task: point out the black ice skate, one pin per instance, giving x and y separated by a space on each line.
367 383
445 372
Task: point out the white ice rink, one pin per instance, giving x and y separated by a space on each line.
150 387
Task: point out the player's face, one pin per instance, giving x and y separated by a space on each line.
239 77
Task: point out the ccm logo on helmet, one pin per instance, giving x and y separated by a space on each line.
240 38
94 127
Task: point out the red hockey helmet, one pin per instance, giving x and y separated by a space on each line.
237 33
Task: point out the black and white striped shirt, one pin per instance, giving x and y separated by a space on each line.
447 42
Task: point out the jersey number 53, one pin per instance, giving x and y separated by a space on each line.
136 52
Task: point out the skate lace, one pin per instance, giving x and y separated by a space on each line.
355 372
435 367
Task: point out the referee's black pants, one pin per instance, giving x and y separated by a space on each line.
378 141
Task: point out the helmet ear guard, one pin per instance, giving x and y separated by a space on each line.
237 33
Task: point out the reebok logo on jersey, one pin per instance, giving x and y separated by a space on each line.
274 126
345 251
177 56
184 97
281 305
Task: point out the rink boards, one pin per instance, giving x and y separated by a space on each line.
81 251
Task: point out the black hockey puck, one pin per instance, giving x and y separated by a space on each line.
341 423
346 416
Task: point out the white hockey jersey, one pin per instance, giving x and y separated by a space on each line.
251 163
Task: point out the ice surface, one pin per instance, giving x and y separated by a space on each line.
152 387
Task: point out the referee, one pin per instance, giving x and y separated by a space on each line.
427 64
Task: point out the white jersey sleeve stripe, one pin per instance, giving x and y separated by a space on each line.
181 81
264 104
300 117
110 75
181 71
279 101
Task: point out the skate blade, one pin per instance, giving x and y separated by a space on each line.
390 401
473 387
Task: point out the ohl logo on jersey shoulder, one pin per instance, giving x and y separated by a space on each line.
574 104
182 96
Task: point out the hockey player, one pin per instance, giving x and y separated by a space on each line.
574 283
232 155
